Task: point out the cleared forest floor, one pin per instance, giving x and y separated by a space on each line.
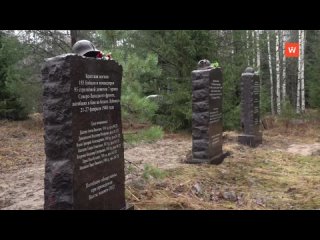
271 176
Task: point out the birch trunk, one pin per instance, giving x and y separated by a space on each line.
278 72
258 51
284 67
302 71
248 54
253 50
299 75
258 59
270 71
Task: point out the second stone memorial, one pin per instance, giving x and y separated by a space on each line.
250 109
206 114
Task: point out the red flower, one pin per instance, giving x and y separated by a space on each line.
99 55
109 56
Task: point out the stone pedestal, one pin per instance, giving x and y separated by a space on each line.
250 109
206 116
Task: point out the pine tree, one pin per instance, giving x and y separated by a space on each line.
10 104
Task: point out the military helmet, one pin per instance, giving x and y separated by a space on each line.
204 63
85 48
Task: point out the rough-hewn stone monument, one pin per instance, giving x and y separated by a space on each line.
206 114
250 109
83 133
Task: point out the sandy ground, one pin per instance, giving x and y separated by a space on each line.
22 174
167 153
21 164
23 188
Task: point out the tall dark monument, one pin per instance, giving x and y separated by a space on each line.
206 114
250 109
83 133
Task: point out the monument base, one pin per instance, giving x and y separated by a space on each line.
214 160
250 140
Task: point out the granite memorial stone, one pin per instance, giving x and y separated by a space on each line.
250 109
83 133
206 114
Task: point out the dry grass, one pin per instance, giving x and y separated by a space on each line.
21 143
261 180
266 177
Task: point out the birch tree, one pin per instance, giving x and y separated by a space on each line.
270 71
258 59
284 68
247 36
253 49
298 108
278 97
302 71
258 50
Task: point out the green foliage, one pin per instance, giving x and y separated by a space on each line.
160 62
29 94
154 172
312 70
314 93
137 109
288 111
11 108
178 53
232 68
151 134
12 105
145 71
138 76
265 104
175 111
231 119
23 82
155 62
215 64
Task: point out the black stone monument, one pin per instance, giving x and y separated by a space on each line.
206 114
250 109
83 134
